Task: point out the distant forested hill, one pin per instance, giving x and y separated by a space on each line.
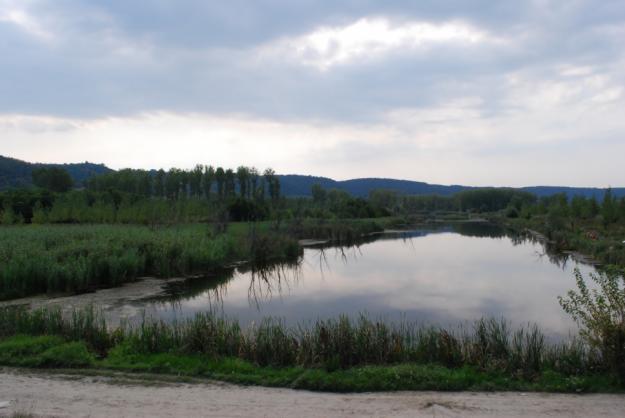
17 173
297 185
573 191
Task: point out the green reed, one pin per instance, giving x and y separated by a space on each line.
77 258
489 345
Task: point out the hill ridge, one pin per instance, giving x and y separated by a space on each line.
17 173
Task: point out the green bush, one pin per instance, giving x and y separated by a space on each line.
600 312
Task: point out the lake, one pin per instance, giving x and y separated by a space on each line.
445 275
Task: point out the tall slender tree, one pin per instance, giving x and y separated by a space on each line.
220 178
273 183
243 179
254 176
159 183
207 180
230 182
172 183
195 180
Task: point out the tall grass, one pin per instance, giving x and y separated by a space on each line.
76 258
489 345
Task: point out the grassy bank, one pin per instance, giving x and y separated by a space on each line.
602 243
77 258
336 355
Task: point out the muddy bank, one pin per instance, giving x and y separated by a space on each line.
126 301
46 395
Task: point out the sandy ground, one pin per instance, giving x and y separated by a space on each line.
46 395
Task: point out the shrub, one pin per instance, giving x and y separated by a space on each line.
600 313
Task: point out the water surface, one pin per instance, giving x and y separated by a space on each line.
441 276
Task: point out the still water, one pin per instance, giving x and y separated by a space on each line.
440 276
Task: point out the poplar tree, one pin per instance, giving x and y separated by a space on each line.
220 177
230 182
207 180
243 179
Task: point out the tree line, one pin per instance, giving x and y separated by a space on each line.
203 181
209 193
202 194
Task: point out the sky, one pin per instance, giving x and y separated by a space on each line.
501 93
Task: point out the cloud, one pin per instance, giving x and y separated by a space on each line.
25 22
449 144
122 58
431 90
367 39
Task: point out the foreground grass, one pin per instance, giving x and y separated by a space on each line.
332 355
53 352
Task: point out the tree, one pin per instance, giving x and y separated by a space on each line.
54 179
384 199
254 176
172 183
207 181
608 208
159 183
243 179
40 215
593 208
195 180
184 182
273 184
144 183
220 177
319 194
229 182
578 204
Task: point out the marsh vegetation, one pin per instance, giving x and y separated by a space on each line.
130 224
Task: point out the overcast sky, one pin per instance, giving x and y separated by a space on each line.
456 92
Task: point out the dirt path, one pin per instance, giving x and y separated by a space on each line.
46 395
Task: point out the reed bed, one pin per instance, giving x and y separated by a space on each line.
77 258
342 343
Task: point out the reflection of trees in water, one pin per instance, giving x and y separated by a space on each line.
554 255
479 229
469 229
266 281
548 250
214 286
343 252
272 280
